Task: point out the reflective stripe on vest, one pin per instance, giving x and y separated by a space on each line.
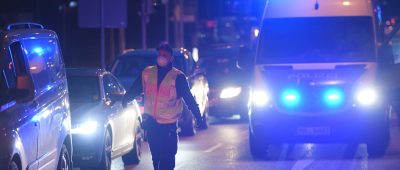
161 102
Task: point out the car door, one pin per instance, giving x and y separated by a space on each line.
115 111
129 115
22 114
41 54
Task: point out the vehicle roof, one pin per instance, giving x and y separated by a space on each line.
229 52
10 36
94 72
148 52
326 8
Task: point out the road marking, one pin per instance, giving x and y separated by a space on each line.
302 164
213 148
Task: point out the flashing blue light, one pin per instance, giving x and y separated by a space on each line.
291 98
38 50
333 97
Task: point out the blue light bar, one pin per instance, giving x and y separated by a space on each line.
290 98
333 97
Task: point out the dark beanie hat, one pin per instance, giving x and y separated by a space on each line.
165 47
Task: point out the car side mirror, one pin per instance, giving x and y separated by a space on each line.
116 96
245 59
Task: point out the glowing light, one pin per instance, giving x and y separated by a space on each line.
367 96
256 32
230 92
260 98
195 54
346 3
333 97
290 98
38 50
87 128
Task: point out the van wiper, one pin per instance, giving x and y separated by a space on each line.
351 66
282 67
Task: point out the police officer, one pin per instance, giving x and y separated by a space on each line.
164 88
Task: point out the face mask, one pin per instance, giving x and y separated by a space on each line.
162 61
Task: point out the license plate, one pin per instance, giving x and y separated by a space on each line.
314 131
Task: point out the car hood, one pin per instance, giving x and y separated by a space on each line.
86 111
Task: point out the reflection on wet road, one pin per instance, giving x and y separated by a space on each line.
225 146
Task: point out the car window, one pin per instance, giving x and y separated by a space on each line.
9 71
8 77
44 60
110 86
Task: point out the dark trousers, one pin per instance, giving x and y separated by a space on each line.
163 142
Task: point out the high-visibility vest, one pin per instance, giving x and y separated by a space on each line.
162 103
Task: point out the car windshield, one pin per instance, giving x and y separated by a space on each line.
132 66
322 39
220 61
83 89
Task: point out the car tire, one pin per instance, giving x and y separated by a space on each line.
13 165
134 156
105 163
257 148
189 129
205 122
64 160
378 145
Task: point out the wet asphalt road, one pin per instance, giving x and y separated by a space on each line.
225 146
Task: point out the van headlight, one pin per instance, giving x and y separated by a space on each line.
260 97
367 96
86 128
230 92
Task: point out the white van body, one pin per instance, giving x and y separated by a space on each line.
315 76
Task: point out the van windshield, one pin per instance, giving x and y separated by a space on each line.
312 39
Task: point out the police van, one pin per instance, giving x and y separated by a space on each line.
315 76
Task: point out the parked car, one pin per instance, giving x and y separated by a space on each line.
34 114
128 67
101 128
229 85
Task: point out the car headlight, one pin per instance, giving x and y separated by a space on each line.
230 92
367 96
260 97
86 128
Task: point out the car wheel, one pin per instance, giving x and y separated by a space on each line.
134 156
205 123
105 163
257 148
13 166
378 145
189 128
64 161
